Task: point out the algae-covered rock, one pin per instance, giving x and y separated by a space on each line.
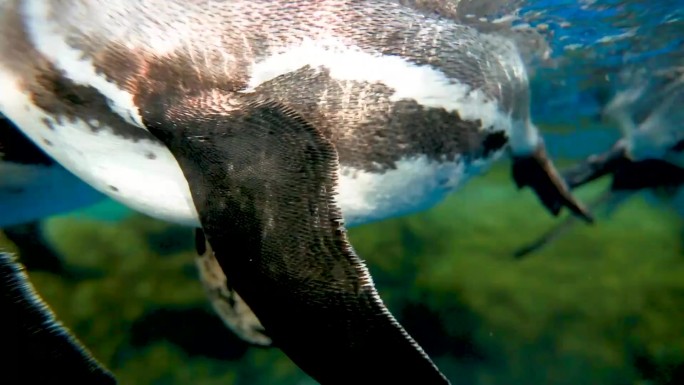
602 305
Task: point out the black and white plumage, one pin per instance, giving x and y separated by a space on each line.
268 122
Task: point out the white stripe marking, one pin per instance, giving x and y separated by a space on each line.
49 39
422 83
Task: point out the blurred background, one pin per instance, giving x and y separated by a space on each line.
602 304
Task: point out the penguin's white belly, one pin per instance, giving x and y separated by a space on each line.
415 184
142 175
145 176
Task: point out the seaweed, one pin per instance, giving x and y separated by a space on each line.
602 305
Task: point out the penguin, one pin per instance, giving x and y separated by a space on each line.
271 126
36 347
649 156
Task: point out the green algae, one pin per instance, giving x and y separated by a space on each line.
603 304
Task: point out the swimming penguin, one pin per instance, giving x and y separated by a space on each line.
650 117
36 348
265 124
648 158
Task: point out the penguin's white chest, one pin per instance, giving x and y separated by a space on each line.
141 174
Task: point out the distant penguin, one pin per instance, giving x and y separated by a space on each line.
269 125
36 348
648 158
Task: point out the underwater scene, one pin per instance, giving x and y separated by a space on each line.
513 275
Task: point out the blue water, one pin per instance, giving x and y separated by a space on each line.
593 43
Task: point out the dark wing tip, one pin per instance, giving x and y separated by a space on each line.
39 348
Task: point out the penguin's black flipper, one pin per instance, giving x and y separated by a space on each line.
36 348
263 181
538 172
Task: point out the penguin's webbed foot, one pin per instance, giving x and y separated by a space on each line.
597 166
647 174
628 174
538 172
